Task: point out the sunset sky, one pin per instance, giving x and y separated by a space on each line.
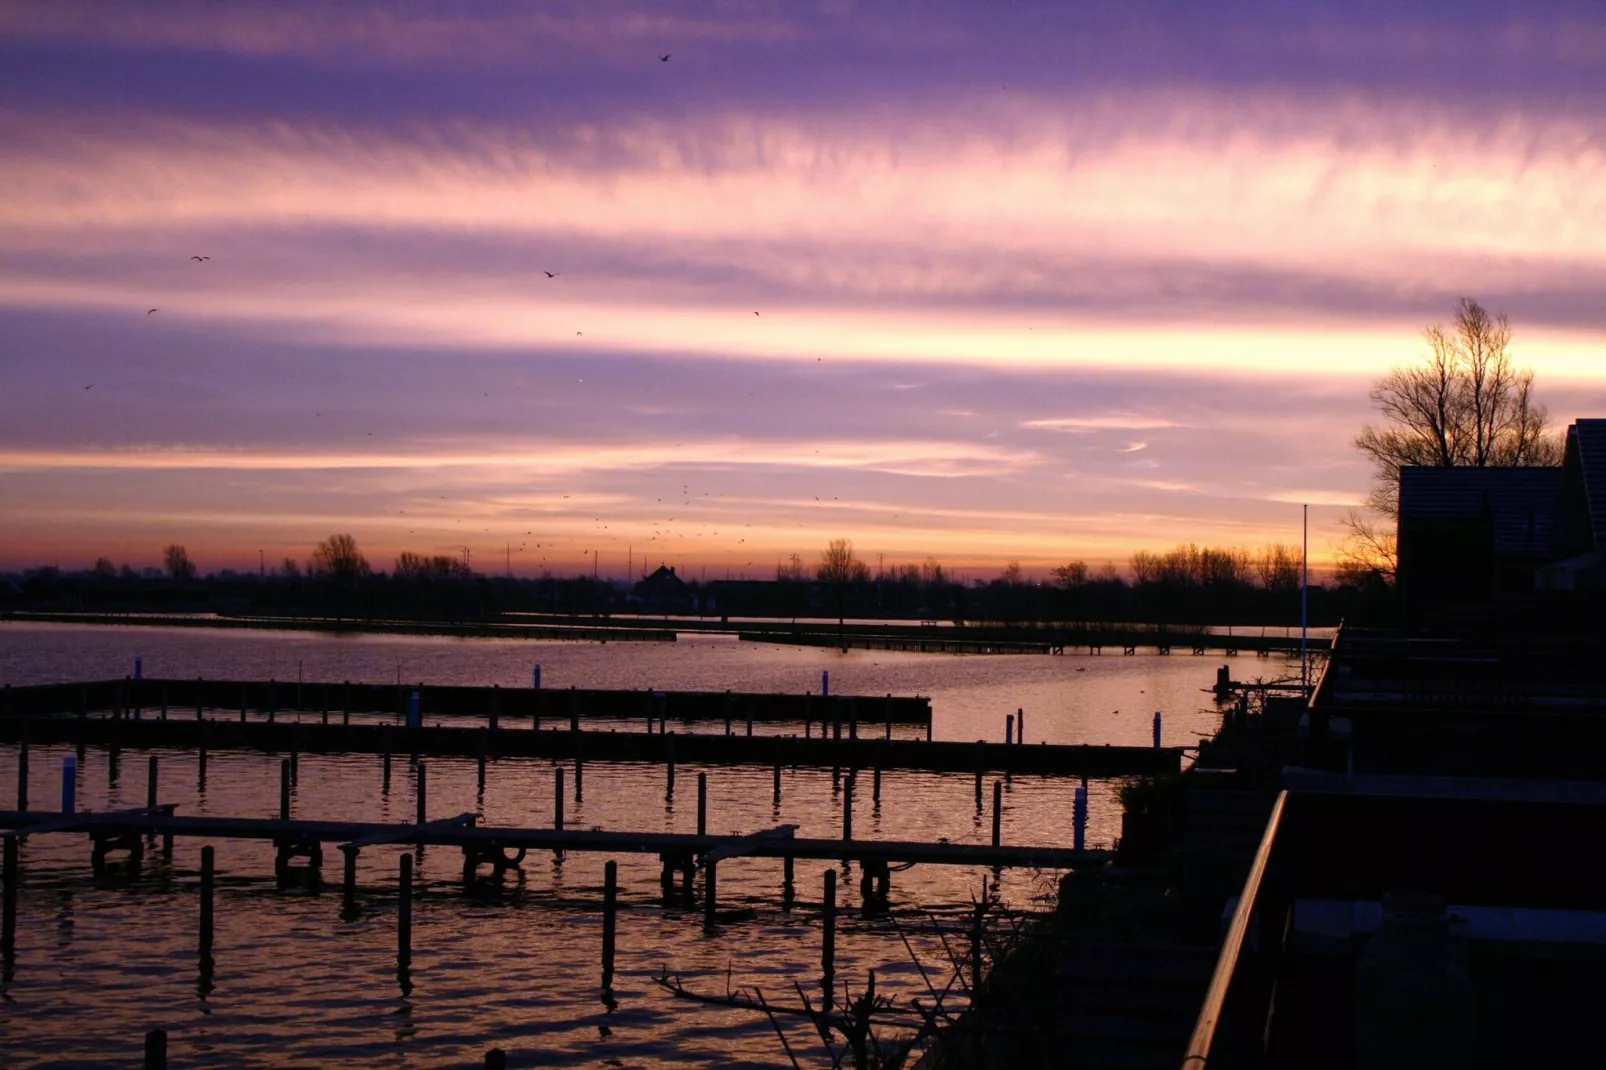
986 280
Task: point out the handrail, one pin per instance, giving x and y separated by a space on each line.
1204 1029
1332 656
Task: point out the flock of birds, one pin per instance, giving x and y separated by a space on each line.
663 528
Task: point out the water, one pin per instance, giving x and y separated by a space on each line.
100 962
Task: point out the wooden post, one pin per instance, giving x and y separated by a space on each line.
975 954
207 870
496 713
557 800
483 746
749 718
404 919
384 734
345 705
69 784
1079 817
8 906
702 804
1157 721
496 1059
889 714
998 812
610 906
423 791
22 768
853 718
1009 729
574 709
710 895
828 931
669 789
349 884
847 807
777 794
1020 726
981 762
284 789
727 711
787 885
876 797
156 1050
200 696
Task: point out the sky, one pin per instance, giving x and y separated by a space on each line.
981 281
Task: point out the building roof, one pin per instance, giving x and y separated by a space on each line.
1588 439
1520 503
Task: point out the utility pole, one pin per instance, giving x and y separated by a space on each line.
1304 600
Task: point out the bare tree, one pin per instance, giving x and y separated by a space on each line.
791 571
839 564
337 558
178 563
1012 574
1465 405
1071 575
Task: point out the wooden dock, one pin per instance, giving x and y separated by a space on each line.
551 705
598 631
871 750
1043 640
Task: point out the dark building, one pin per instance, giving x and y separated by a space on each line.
1581 513
664 590
1475 534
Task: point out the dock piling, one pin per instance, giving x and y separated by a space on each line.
557 800
496 1059
669 788
610 907
284 789
423 792
998 813
348 887
828 932
1009 729
1079 817
1020 726
156 1050
847 807
776 798
404 923
208 861
710 895
1157 721
8 905
385 737
702 804
69 785
875 796
788 887
22 769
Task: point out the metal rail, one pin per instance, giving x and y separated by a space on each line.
1204 1029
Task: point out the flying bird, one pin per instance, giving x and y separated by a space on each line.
551 274
665 57
153 310
200 258
91 386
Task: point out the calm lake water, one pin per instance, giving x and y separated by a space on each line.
100 962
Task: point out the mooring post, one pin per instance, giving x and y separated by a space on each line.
8 906
496 1059
702 804
777 794
1157 720
345 705
889 715
1079 817
876 791
828 931
496 713
415 712
981 758
710 895
836 720
200 696
669 789
579 777
847 806
69 784
348 896
22 768
574 709
825 683
483 745
423 791
208 861
998 813
853 718
610 907
787 886
536 676
727 711
284 789
750 717
975 953
295 756
384 735
156 1050
404 919
557 800
1009 729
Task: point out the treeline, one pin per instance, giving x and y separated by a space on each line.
1185 585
